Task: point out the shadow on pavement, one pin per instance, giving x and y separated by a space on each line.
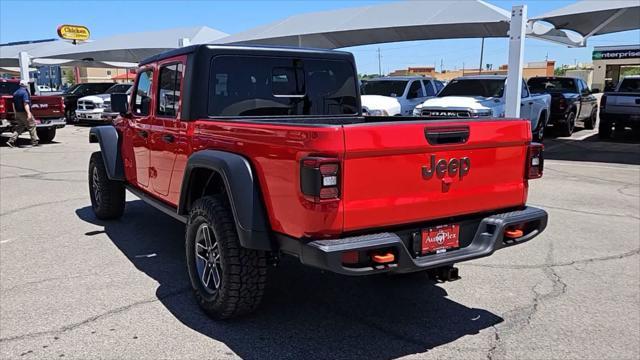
621 149
305 313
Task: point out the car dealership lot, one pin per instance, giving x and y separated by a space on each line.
75 287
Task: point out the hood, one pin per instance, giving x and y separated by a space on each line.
463 102
379 102
96 98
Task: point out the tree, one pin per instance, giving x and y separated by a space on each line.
559 71
69 77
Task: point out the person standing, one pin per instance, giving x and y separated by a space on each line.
24 119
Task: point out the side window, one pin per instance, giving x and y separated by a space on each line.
415 91
439 85
142 103
169 82
429 88
525 89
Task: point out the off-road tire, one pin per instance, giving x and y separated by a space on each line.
567 127
46 136
243 271
590 123
108 200
539 135
604 129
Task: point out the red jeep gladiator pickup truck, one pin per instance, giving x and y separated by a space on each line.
265 151
48 110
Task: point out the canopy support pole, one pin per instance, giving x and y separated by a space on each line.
23 59
517 34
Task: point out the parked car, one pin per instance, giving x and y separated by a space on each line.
44 88
621 108
47 110
572 102
396 95
269 154
483 96
77 91
97 108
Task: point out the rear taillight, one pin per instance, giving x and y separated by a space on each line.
535 161
562 103
603 101
320 178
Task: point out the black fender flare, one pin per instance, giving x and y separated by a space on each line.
243 191
109 139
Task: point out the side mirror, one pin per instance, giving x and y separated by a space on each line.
120 103
595 91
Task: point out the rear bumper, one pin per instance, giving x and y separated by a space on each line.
489 237
625 119
57 123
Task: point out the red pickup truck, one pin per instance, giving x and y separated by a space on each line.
48 111
265 152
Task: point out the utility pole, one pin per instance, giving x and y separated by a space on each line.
379 63
481 55
463 69
441 65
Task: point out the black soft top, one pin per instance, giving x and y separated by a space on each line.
199 59
265 50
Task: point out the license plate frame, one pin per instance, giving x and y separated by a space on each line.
440 239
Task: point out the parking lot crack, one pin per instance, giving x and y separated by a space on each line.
94 318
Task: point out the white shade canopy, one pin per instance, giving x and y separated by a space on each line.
590 18
396 21
134 47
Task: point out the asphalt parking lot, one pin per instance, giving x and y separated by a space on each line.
72 286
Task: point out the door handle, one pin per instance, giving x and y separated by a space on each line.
168 138
530 102
143 133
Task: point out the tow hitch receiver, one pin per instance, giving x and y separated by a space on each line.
444 273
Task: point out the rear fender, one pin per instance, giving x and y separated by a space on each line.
109 140
243 192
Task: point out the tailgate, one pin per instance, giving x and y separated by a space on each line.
394 175
47 107
631 100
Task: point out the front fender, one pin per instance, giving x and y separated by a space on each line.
109 140
243 190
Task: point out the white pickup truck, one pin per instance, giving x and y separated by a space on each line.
484 97
396 95
621 108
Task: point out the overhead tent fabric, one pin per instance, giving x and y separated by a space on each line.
135 47
590 18
398 21
9 53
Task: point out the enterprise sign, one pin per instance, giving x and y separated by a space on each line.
616 54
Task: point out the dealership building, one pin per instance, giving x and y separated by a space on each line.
611 63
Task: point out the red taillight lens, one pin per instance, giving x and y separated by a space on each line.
320 178
562 103
603 101
535 161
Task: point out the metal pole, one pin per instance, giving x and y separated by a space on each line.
517 32
481 55
23 59
379 63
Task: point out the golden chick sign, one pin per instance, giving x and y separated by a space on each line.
73 32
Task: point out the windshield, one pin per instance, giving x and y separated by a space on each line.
118 89
393 88
8 87
630 85
542 85
73 89
474 87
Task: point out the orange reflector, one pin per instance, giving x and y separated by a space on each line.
383 258
513 233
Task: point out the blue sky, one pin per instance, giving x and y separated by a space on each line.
29 20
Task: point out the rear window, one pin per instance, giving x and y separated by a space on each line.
474 87
393 88
8 87
266 86
630 85
542 85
